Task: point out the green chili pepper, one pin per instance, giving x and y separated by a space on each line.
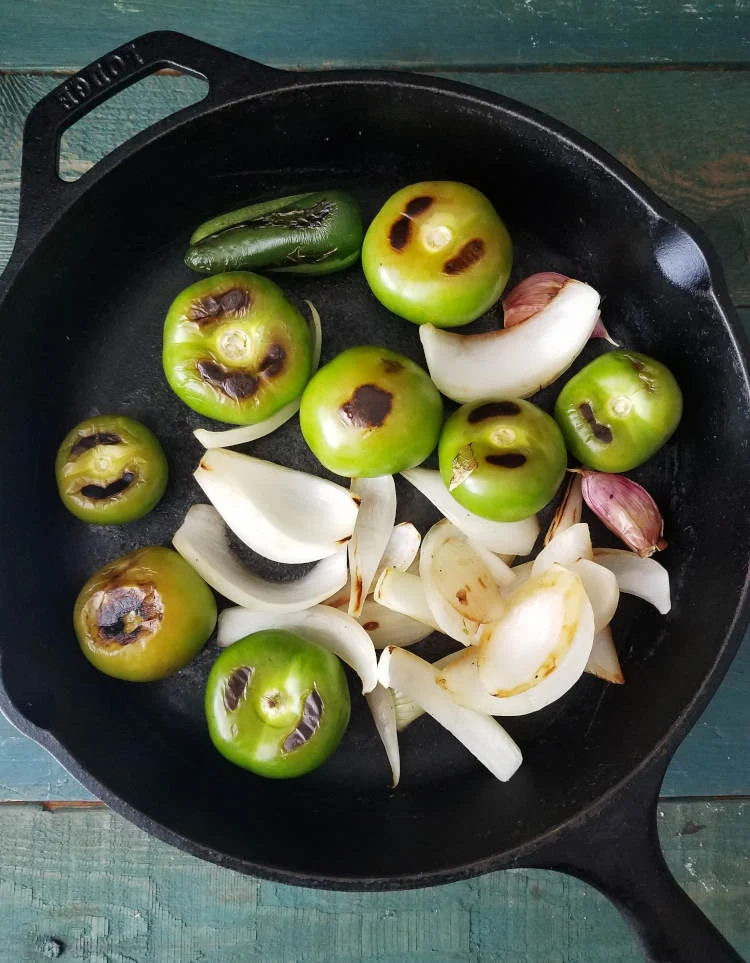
315 233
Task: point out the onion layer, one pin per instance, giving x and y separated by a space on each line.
482 736
282 514
643 577
513 362
330 629
372 532
203 543
383 708
603 661
403 592
505 538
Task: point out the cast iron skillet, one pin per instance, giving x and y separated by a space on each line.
81 306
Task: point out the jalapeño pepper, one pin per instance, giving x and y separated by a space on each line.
314 233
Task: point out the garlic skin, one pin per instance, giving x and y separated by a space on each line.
626 508
533 294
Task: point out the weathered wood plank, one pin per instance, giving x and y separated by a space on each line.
47 33
107 891
695 154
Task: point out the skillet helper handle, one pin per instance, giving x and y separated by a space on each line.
618 852
74 98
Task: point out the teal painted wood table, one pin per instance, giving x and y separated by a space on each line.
664 86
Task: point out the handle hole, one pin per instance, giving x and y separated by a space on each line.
123 116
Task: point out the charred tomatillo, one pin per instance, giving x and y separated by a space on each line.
437 251
235 349
370 412
277 704
144 615
503 460
619 410
110 469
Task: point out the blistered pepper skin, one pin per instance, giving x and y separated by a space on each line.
314 233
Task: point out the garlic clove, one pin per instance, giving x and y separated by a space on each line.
626 508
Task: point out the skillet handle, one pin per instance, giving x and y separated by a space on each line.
618 852
41 188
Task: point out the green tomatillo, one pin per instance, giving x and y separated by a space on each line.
235 349
144 615
503 460
618 410
437 251
370 412
110 469
277 704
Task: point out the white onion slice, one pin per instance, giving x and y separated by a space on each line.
282 514
521 575
481 735
564 549
229 437
570 509
377 513
500 570
330 629
547 631
513 362
602 589
203 542
406 710
383 708
401 550
603 661
505 538
403 592
643 577
386 627
458 586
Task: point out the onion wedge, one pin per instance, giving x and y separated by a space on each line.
244 433
406 710
403 592
330 629
458 585
383 708
513 362
505 538
569 510
282 514
533 655
401 550
482 736
564 549
203 542
372 532
603 661
602 589
643 577
386 627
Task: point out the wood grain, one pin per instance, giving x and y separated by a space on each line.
46 33
107 891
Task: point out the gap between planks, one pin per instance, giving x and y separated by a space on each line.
449 68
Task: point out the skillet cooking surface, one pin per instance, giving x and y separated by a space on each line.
82 325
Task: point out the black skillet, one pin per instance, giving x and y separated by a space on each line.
95 266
